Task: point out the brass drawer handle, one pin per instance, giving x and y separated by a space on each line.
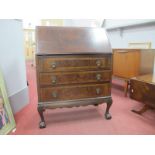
98 77
54 94
98 63
54 79
98 91
53 65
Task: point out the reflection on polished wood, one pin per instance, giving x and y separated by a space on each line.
71 40
148 78
142 88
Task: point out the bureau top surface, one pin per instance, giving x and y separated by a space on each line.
71 40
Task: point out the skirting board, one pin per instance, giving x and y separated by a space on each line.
19 100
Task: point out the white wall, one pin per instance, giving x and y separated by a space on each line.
83 22
121 38
12 61
114 23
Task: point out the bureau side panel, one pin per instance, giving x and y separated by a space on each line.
37 77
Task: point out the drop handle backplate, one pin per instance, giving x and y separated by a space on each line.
54 94
54 79
98 77
98 91
53 65
98 63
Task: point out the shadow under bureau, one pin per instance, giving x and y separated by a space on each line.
73 69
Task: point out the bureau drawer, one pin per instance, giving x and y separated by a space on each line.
74 92
47 79
74 63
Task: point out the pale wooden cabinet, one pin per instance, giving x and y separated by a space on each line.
126 64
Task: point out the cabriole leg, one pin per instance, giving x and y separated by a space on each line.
42 122
107 114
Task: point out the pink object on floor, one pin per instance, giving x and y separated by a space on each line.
84 120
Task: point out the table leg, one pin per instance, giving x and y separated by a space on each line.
126 87
144 109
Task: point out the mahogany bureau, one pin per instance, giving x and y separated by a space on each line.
74 67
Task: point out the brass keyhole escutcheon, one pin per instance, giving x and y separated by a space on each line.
98 77
98 63
54 94
98 91
53 65
54 79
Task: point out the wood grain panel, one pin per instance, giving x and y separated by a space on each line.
75 92
126 63
52 79
71 40
142 91
74 63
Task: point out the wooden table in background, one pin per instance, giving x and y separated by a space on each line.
142 88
